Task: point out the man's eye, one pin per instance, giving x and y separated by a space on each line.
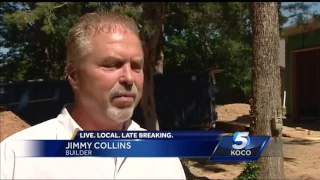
108 65
112 66
136 67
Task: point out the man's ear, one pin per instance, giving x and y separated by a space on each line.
72 75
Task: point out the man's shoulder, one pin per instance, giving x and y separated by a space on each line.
169 167
134 126
42 130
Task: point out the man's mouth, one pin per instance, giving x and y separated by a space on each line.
125 95
124 99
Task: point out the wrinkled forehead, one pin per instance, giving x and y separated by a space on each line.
120 44
117 30
117 38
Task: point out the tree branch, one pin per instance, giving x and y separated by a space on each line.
59 6
173 13
293 15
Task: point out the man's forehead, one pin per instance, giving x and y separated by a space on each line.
117 46
112 29
117 37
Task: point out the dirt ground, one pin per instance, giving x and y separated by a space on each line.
10 124
301 147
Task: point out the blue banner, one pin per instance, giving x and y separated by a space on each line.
124 148
191 144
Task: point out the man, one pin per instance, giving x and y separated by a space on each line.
105 69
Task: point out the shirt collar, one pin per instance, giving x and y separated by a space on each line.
70 125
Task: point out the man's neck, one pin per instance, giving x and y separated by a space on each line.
87 122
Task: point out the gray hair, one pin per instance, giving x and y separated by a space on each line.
90 24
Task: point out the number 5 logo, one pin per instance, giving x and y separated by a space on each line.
240 140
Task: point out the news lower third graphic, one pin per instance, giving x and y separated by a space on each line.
185 144
240 147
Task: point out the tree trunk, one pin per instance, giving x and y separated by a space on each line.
153 15
266 101
160 55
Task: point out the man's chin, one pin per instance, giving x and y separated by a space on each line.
120 114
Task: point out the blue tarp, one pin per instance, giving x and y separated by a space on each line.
36 102
181 99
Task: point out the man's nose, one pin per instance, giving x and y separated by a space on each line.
127 77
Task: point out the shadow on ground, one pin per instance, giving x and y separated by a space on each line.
289 159
301 142
309 125
186 164
202 163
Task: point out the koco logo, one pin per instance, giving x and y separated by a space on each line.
240 140
240 146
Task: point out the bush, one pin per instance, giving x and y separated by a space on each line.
250 172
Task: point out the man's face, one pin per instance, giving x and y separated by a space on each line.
110 81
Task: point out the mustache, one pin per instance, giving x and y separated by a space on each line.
118 91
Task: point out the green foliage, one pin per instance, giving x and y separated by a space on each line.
197 36
135 11
131 11
213 35
250 172
36 34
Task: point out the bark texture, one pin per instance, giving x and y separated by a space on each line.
266 100
154 15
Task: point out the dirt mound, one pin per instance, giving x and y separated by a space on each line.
232 112
240 113
10 124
